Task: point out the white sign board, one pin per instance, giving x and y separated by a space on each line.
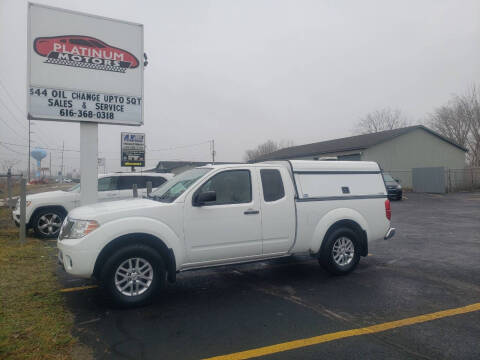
84 67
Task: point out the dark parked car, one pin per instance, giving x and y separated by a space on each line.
394 189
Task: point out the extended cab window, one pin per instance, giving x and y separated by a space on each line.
107 183
272 184
126 182
231 187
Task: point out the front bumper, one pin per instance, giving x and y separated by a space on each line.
390 233
16 217
75 261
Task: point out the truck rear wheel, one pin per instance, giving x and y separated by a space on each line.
133 275
340 254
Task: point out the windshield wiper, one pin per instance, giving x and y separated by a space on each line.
159 198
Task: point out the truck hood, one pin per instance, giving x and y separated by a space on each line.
51 195
111 210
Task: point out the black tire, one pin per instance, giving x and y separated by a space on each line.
109 273
326 258
40 219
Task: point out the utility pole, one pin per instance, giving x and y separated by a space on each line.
50 166
61 168
213 151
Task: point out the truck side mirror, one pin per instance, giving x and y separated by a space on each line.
204 197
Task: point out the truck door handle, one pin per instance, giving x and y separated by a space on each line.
251 212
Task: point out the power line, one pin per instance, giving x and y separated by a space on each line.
6 123
10 149
11 113
22 112
181 146
11 98
45 148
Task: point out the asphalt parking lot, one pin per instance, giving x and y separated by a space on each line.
431 265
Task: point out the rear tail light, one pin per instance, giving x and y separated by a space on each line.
388 210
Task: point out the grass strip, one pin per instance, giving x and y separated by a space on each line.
34 321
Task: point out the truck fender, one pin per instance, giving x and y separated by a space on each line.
31 214
136 226
331 218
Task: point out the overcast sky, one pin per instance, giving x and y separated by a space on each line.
245 71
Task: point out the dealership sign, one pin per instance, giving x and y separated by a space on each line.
94 75
132 149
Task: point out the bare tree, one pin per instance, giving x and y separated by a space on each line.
381 120
459 121
266 148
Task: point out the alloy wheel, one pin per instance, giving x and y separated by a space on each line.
343 251
49 224
134 276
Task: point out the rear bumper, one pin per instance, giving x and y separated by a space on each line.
390 233
394 194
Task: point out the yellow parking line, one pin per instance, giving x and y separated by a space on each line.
290 345
79 288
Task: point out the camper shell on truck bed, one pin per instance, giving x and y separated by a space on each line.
329 191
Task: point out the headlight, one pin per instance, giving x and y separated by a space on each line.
76 229
17 205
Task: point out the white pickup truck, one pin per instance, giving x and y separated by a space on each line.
228 214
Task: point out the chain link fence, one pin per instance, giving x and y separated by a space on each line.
467 179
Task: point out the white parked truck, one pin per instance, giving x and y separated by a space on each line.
228 214
46 211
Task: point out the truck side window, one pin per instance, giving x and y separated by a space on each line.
107 183
156 180
231 186
272 184
126 182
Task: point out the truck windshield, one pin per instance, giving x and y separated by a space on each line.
75 188
176 186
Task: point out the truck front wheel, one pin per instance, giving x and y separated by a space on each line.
47 222
340 253
133 275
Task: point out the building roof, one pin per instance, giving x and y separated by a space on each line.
351 143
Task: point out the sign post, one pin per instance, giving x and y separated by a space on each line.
89 169
87 69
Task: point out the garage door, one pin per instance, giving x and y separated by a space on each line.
429 180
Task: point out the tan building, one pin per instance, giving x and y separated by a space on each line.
396 151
